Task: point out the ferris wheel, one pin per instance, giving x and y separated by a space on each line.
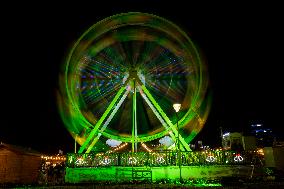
122 77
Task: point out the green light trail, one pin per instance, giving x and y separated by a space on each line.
168 121
134 121
158 115
98 124
108 120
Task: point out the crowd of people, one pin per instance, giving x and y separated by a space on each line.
51 173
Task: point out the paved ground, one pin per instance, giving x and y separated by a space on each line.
261 185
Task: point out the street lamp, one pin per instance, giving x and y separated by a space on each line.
177 107
75 144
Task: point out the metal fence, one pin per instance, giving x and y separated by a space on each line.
164 158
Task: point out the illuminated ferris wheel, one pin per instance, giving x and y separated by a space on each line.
122 77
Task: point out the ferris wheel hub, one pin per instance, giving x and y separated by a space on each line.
135 76
133 73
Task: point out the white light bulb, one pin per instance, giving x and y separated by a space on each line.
177 107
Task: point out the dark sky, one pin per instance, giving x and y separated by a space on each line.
242 43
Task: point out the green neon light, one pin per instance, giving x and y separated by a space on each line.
185 145
157 114
133 116
194 176
108 120
95 140
101 119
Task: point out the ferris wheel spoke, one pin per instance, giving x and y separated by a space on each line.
119 56
100 121
152 54
93 97
165 117
123 52
160 61
134 120
101 130
164 124
109 65
99 65
167 90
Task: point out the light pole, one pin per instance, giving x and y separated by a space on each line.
177 107
75 145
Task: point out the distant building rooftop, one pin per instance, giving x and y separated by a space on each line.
19 149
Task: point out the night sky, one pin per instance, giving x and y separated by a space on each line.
242 43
